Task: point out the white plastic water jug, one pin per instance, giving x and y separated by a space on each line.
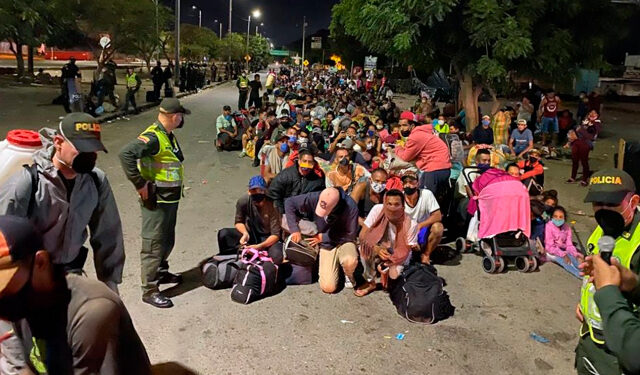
17 150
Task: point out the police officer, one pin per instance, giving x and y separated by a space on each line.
133 85
613 195
153 163
243 89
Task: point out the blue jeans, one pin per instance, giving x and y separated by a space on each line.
435 181
572 267
550 125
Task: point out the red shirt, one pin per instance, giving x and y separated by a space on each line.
550 108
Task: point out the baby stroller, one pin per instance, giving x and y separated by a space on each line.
504 217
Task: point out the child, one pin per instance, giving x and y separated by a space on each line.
558 243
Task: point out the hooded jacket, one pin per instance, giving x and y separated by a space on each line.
290 182
64 222
427 149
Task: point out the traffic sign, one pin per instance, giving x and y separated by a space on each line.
105 41
279 52
370 62
247 58
305 63
316 42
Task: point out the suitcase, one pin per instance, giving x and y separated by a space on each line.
299 275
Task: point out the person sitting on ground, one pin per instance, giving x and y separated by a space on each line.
336 217
301 178
580 149
249 139
277 157
431 155
550 201
532 175
42 77
513 170
343 172
388 237
76 325
521 140
441 127
257 224
483 135
422 206
226 130
558 243
369 193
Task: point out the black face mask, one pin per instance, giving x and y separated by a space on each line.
344 162
549 209
258 197
181 123
532 160
410 190
84 162
405 133
15 307
611 222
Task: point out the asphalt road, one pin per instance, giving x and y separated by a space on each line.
300 330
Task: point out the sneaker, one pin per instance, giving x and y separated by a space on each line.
348 284
242 154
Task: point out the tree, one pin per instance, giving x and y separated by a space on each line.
32 22
197 42
231 47
259 50
482 40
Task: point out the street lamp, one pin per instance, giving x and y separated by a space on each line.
199 15
256 14
230 11
261 24
220 24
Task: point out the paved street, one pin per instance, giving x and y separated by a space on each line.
300 330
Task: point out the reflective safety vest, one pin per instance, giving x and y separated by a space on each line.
625 247
442 129
132 82
163 168
243 82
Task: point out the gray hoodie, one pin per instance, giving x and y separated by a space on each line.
63 222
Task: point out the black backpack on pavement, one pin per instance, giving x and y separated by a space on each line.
257 277
418 294
218 272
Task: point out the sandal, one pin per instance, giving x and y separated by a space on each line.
365 289
571 181
584 183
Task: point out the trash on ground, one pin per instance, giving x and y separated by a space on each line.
539 338
346 321
400 336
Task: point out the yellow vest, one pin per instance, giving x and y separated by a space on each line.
163 168
243 82
132 82
625 247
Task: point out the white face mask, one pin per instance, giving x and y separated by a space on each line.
369 146
279 101
377 187
357 148
379 127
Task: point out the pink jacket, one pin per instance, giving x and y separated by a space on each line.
428 150
558 241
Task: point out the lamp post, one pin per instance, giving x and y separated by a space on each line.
176 68
219 24
230 11
199 15
261 24
256 14
304 28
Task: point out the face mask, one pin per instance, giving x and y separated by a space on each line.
279 101
611 222
483 167
394 214
344 162
377 187
532 159
227 117
440 122
410 190
485 123
284 148
84 162
379 127
15 307
548 209
258 197
369 146
305 171
371 133
405 133
181 123
348 137
558 222
293 139
303 140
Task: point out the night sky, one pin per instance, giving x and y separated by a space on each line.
282 18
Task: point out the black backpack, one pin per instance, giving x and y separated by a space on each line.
256 278
418 294
218 272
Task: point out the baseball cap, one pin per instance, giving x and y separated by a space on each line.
280 134
409 175
609 186
18 241
83 131
257 182
327 201
522 121
346 144
172 105
408 115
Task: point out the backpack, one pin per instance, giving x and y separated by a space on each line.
301 254
419 295
256 278
35 178
219 272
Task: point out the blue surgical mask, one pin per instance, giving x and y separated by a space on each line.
486 122
483 167
371 133
293 139
558 222
227 117
284 147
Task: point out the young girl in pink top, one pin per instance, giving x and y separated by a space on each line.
558 243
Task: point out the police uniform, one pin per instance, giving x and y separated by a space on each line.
243 89
133 85
609 186
156 157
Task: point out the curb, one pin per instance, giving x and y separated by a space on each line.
146 106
